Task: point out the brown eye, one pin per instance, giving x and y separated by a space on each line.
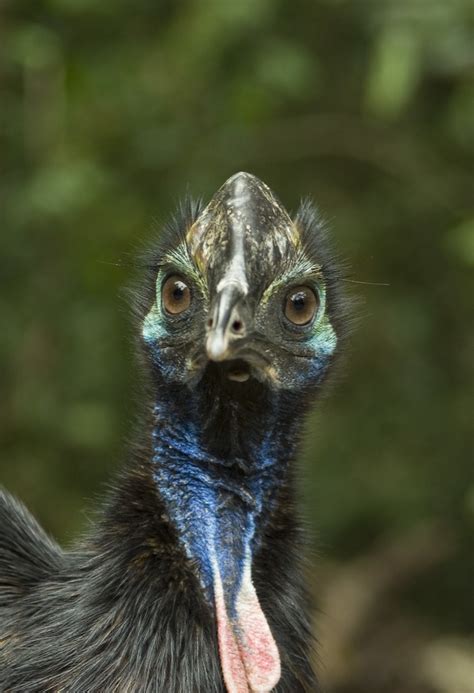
175 295
301 304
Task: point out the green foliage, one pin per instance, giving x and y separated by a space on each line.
109 111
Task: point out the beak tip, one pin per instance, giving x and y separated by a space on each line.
217 346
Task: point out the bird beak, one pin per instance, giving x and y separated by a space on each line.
226 325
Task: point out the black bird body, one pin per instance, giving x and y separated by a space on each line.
191 579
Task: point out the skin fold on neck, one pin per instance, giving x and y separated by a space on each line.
218 491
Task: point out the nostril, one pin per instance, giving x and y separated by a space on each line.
237 326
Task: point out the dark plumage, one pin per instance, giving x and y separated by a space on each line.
191 579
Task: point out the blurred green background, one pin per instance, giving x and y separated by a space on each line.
110 112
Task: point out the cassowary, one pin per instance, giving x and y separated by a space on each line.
191 579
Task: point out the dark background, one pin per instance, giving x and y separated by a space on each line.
110 112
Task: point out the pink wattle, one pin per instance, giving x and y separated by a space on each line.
257 646
232 666
249 656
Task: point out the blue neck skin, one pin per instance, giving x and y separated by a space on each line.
218 493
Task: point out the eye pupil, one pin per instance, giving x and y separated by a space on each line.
178 291
299 301
175 295
301 305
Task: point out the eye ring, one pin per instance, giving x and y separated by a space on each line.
300 306
175 295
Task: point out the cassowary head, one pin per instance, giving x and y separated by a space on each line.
242 285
